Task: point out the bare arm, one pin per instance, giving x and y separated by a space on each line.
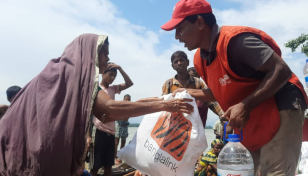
218 134
277 75
128 82
215 107
106 109
205 95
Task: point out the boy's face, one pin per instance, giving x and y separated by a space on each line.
109 77
194 74
180 64
127 98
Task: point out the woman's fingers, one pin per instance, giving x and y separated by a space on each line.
185 107
186 100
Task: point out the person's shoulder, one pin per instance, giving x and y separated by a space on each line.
241 40
4 107
168 81
209 157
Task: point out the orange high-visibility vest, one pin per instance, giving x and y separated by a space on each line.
230 89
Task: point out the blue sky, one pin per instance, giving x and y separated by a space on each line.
154 13
33 32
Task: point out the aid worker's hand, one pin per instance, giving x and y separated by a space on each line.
238 115
178 90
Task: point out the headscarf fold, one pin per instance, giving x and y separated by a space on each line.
43 132
216 141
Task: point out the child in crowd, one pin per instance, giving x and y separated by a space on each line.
103 133
121 132
208 164
11 92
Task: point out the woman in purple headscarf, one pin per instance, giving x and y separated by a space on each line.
44 130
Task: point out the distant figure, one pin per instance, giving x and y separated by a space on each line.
121 132
3 109
10 93
217 129
192 72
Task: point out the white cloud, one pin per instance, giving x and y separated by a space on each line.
33 32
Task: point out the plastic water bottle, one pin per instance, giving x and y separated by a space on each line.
234 159
305 71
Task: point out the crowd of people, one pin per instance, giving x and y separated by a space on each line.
64 116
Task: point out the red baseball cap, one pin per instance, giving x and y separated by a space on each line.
185 8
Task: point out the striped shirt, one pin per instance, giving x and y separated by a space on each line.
209 158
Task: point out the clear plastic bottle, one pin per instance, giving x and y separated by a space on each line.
305 71
234 159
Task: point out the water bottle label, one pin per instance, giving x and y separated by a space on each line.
221 172
306 79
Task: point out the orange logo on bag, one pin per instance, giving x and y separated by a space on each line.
172 134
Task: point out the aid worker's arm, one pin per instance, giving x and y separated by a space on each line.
277 75
205 95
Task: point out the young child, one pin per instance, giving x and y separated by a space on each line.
11 92
121 132
104 140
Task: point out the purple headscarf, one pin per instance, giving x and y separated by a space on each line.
43 132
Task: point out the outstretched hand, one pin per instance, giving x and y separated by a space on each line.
238 115
179 105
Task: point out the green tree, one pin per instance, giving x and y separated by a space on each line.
295 43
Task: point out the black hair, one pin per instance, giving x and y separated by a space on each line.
191 69
178 54
110 70
209 19
12 91
127 95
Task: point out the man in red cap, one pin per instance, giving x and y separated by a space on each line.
246 75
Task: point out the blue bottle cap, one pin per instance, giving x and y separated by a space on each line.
234 138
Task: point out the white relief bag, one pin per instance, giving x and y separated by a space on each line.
167 144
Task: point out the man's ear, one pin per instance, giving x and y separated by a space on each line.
200 22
